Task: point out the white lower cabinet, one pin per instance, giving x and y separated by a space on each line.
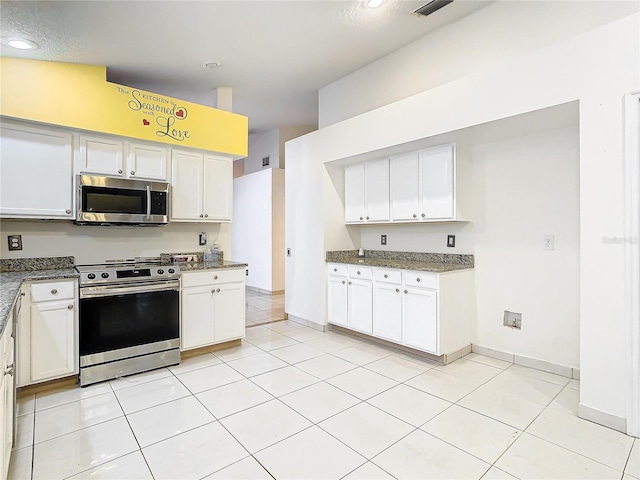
48 332
427 311
360 305
212 307
7 388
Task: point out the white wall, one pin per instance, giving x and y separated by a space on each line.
95 244
289 133
597 68
453 51
251 229
263 145
277 233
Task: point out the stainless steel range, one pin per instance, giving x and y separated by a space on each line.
129 318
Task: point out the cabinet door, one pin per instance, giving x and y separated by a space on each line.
53 350
218 188
337 301
376 190
387 311
437 179
354 211
7 387
360 305
101 155
404 178
186 185
229 313
37 173
197 308
419 319
147 161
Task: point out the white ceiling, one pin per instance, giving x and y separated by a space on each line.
275 54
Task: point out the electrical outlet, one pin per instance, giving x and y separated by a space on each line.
15 242
512 320
246 272
451 240
548 242
202 238
383 239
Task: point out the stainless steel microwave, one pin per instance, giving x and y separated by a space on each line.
108 200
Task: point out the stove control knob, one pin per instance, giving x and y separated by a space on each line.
160 271
91 276
171 270
104 275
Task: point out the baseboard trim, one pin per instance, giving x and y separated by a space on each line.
543 365
602 418
307 323
264 291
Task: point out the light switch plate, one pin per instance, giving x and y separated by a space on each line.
451 240
548 242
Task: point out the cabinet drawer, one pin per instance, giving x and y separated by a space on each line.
364 273
210 277
43 292
339 269
387 275
420 279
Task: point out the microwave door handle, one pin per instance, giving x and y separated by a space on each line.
148 201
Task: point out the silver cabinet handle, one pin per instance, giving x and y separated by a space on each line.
360 218
367 218
418 280
335 269
349 283
358 272
406 291
54 291
213 290
215 277
414 215
22 294
206 215
218 290
343 282
423 215
132 172
70 307
397 290
386 276
201 215
67 211
9 369
119 171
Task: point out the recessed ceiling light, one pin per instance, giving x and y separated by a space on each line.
20 43
374 3
215 64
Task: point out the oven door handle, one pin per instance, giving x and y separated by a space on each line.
113 290
148 201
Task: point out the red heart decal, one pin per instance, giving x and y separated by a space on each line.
180 113
145 121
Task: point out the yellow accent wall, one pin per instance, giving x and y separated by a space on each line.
79 96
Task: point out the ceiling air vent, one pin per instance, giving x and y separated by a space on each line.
432 6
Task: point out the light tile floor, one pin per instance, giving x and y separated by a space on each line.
291 402
263 308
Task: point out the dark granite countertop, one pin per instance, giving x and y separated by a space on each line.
436 267
10 283
196 266
422 262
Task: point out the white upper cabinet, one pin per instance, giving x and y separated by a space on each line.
202 187
437 183
37 173
367 192
186 183
119 158
405 187
218 188
100 155
412 187
423 185
147 161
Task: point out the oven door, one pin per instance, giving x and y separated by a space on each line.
120 321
